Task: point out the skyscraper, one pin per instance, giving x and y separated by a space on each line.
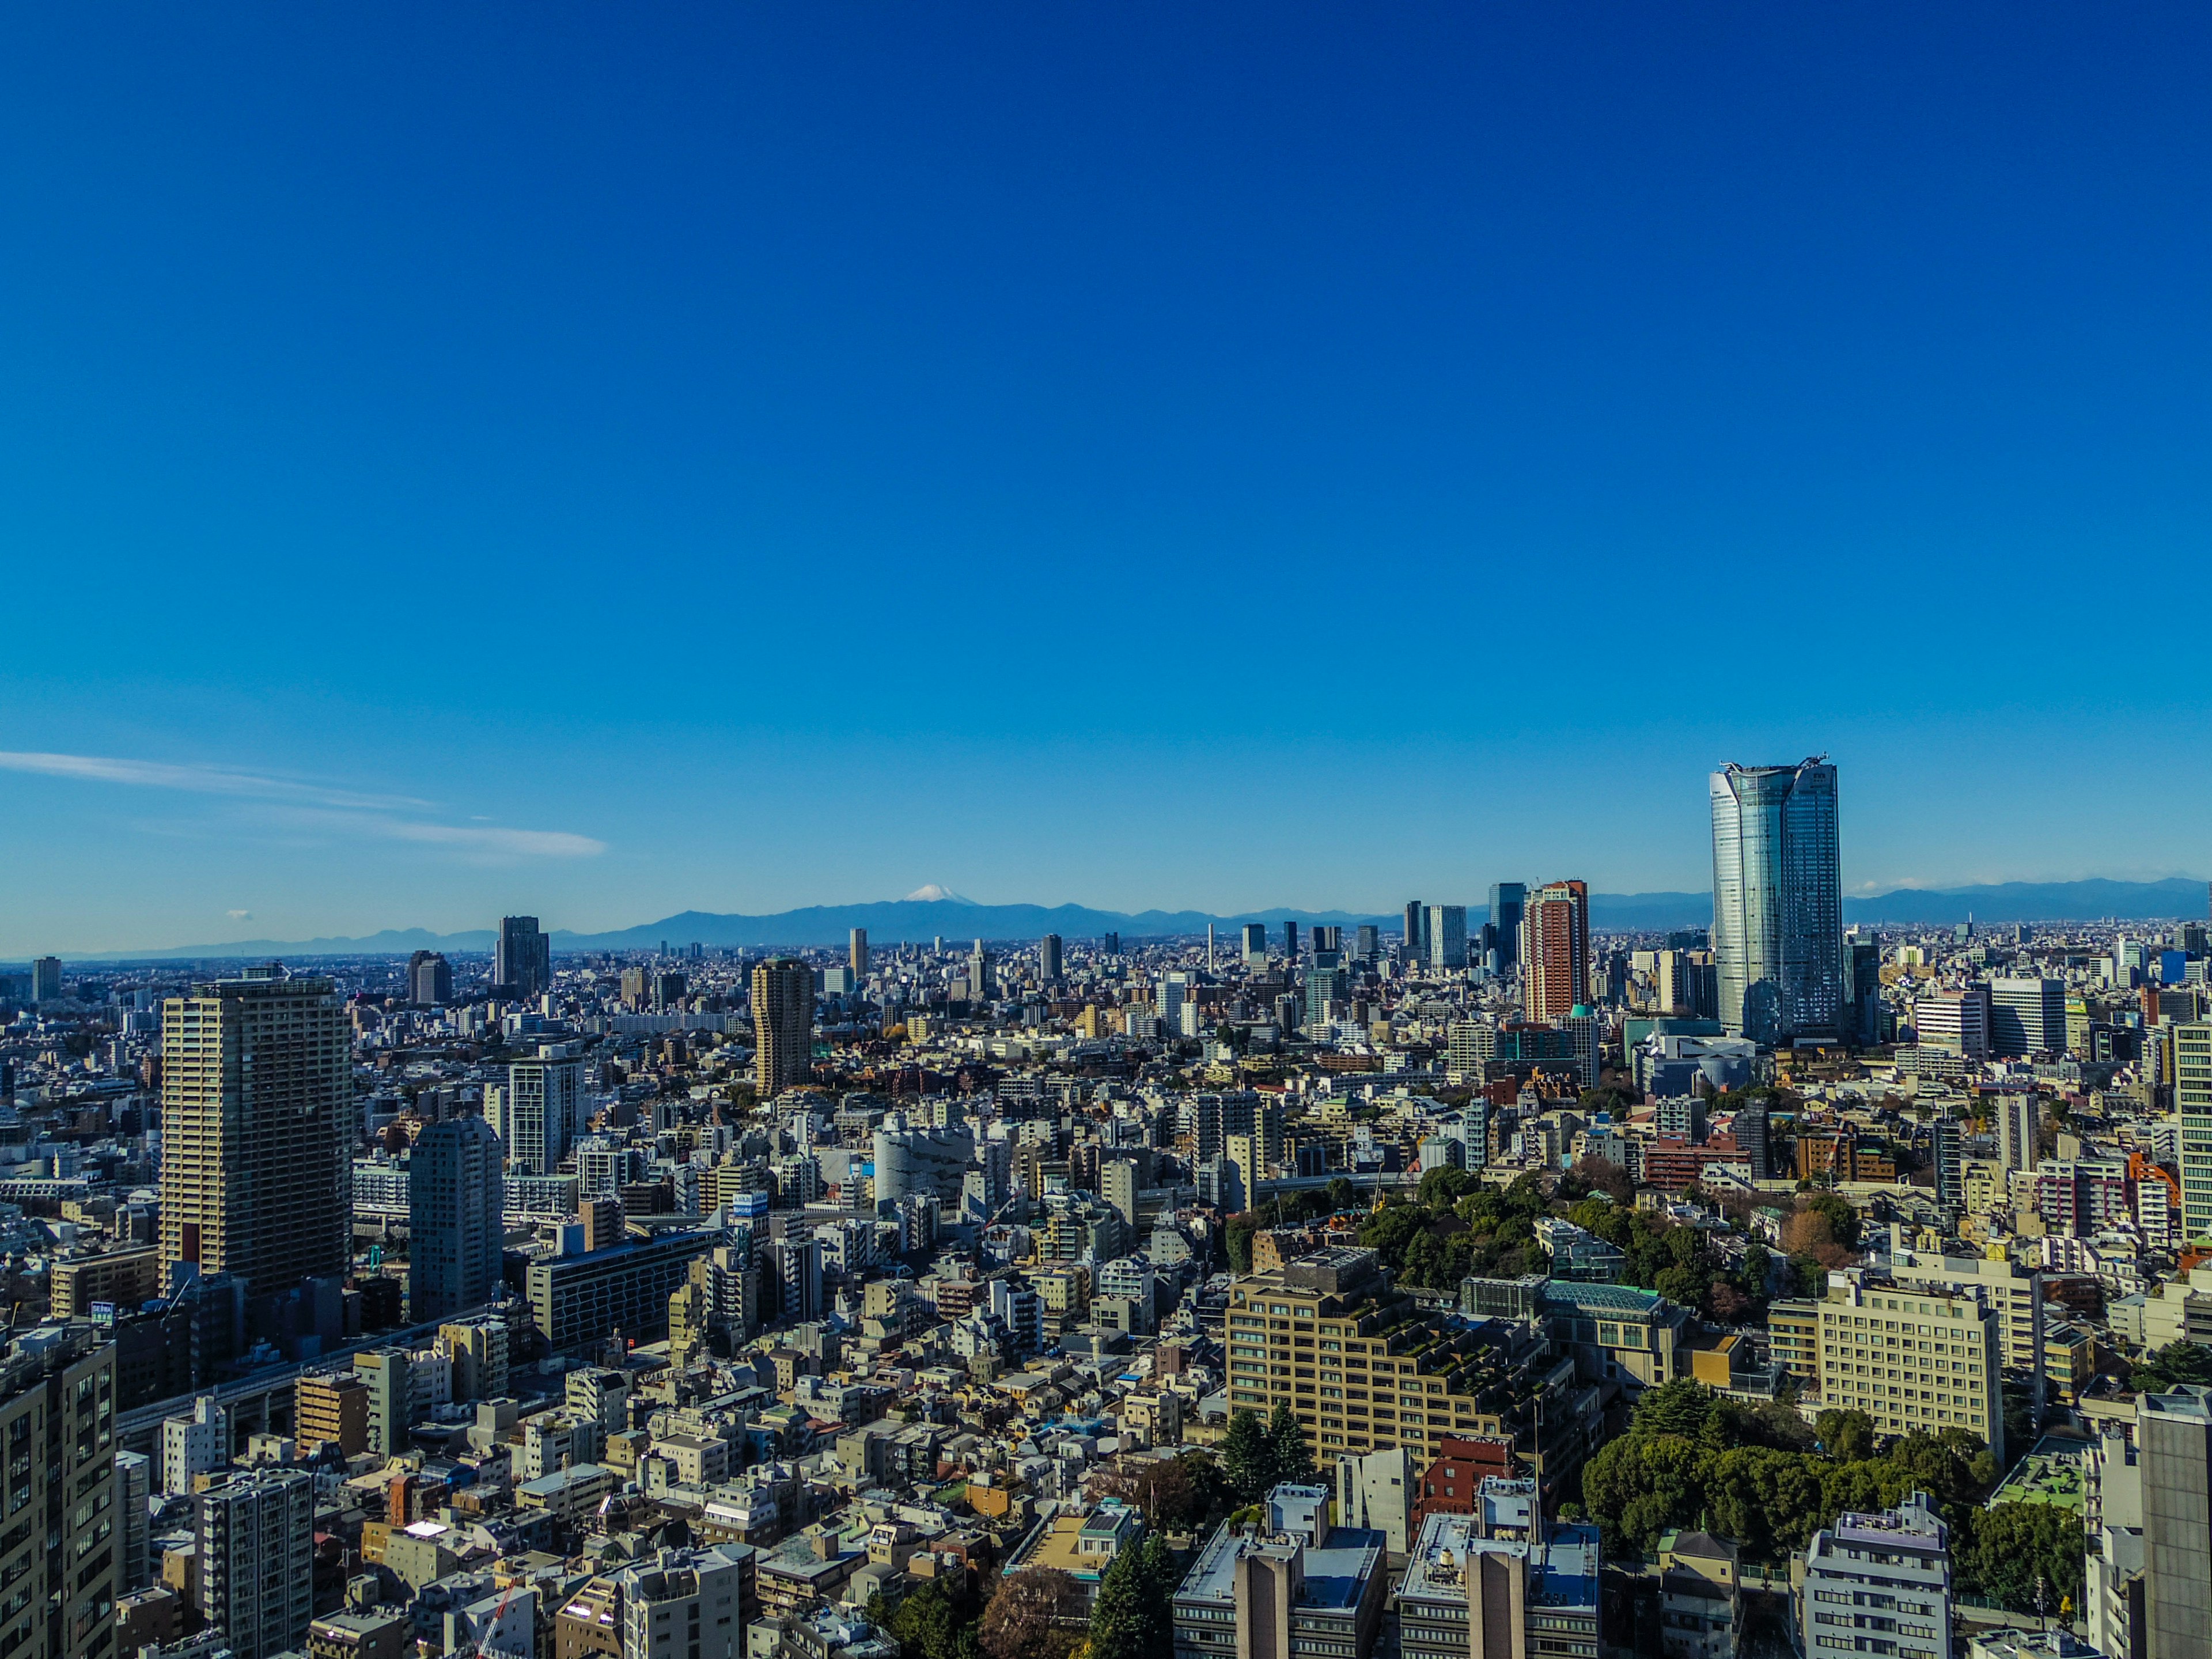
1416 914
2027 1017
2174 1431
57 1417
783 1025
455 1199
1256 945
522 960
256 1544
1555 973
1444 931
46 979
1367 942
1778 901
857 948
2192 1111
430 980
1049 959
537 1112
256 1167
1509 901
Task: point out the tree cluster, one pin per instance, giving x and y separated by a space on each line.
1693 1459
1454 1225
1679 1262
2171 1367
1186 1492
1134 1617
1257 1457
1286 1210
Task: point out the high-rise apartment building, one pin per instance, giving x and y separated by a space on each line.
1445 934
856 953
57 1419
783 1025
256 1165
2027 1017
2173 1433
1555 950
522 959
256 1549
536 1114
430 980
1049 959
1509 904
2019 1117
455 1199
1880 1583
2192 1111
46 980
1778 901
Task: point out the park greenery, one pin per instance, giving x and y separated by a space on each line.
2172 1367
1764 1477
1257 1457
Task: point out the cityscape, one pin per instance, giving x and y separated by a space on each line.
1450 1278
1552 997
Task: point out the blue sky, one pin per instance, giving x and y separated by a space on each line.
602 460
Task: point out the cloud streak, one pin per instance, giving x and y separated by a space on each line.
388 818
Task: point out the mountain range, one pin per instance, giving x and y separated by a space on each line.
941 915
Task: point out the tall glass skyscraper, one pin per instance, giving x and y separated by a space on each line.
1777 901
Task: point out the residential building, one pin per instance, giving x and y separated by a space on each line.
1880 1583
46 979
57 1410
256 1560
456 1203
1298 1588
331 1407
2173 1434
121 1278
579 1299
856 953
1700 1596
783 1025
1049 959
1777 901
2192 1114
194 1444
1914 1357
2014 1290
684 1604
256 1132
1469 1595
537 1115
1555 951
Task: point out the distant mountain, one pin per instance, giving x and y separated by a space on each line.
2035 901
912 919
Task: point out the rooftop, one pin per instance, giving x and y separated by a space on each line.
1336 1573
1563 1571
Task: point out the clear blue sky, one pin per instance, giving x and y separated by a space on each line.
601 461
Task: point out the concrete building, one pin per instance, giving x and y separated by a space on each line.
122 1278
1700 1596
46 979
522 959
783 1025
1376 1492
134 1485
537 1114
256 1127
2014 1290
194 1443
2174 1438
2192 1114
1879 1582
456 1205
1777 901
331 1407
1913 1356
1297 1587
579 1299
58 1393
1555 951
2027 1017
1469 1595
257 1560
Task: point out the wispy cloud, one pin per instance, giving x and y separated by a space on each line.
388 818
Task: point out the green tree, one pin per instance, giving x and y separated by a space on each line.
1237 1234
1022 1618
1846 1435
1131 1618
2001 1553
1682 1406
1288 1456
2176 1363
1246 1457
936 1622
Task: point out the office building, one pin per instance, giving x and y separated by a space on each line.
856 953
1955 1022
456 1203
2027 1017
430 980
1367 941
537 1114
1467 1595
1049 959
1555 951
919 1160
256 1132
46 979
1880 1583
1417 945
783 1025
1861 982
1445 934
521 960
1777 901
2192 1113
1300 1587
1256 945
57 1395
2174 1436
256 1550
1377 1492
1509 904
